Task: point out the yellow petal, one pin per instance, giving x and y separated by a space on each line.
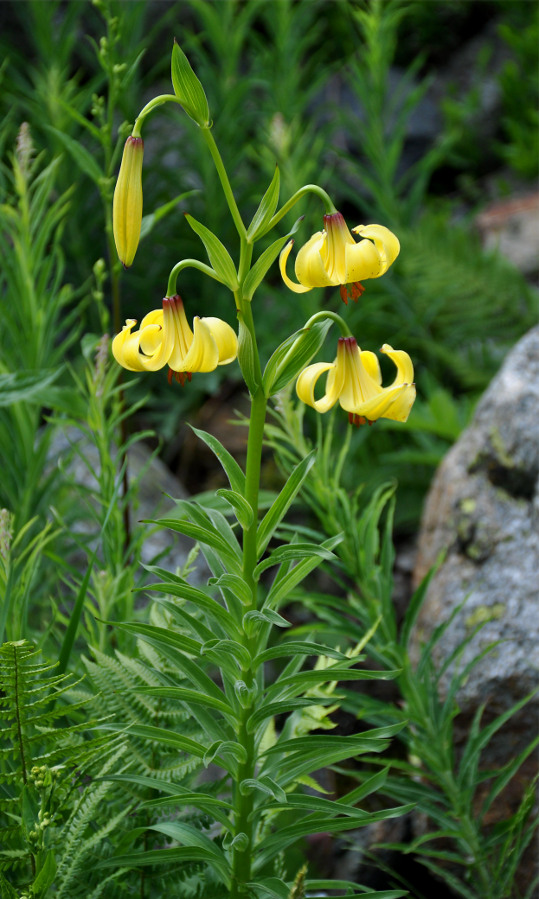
285 253
125 347
405 368
371 365
392 402
127 202
225 338
334 248
386 243
306 383
362 262
310 267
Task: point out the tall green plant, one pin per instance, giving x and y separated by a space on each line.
238 678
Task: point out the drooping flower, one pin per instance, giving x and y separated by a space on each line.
127 203
355 380
165 338
332 257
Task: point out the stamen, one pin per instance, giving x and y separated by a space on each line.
354 290
180 376
358 420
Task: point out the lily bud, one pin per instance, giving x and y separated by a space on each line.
127 204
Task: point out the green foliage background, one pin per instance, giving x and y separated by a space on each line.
310 86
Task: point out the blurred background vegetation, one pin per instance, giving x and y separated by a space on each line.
415 118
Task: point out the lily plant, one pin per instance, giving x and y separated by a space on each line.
251 690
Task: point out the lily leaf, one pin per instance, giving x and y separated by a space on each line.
268 205
218 254
278 510
264 263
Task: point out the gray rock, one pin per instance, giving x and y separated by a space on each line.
483 512
156 491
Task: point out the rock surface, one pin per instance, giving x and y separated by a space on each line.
483 512
156 492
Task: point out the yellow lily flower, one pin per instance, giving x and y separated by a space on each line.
127 203
355 380
165 338
333 257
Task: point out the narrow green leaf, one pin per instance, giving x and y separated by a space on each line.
268 205
84 159
223 651
414 608
220 258
177 586
185 833
231 468
264 263
285 836
201 534
286 581
284 500
188 88
291 648
223 748
261 267
264 784
235 584
150 220
271 709
191 697
183 854
266 616
291 553
241 507
291 357
26 386
174 647
348 885
246 355
296 683
45 875
475 745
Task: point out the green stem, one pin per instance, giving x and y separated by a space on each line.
223 177
146 110
334 316
188 263
243 804
306 189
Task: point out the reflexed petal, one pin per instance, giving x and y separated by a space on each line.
125 347
371 365
392 402
405 368
362 262
386 243
306 383
285 253
225 338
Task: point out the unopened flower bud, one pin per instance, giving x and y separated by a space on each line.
127 205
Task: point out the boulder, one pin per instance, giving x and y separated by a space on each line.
483 513
157 488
